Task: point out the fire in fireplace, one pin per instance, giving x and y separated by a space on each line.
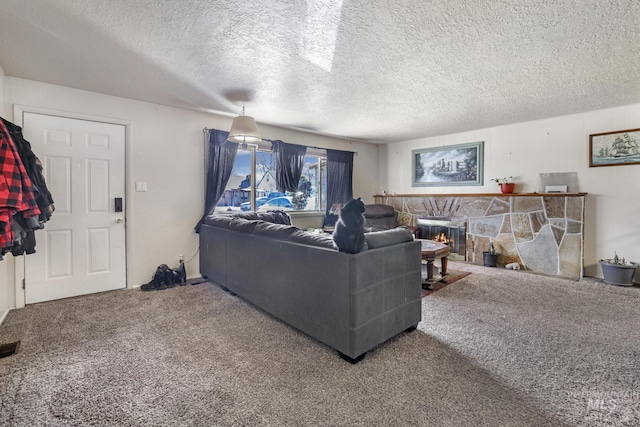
452 231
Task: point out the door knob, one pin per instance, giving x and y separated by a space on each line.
119 220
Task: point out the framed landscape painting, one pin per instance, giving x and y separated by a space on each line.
614 148
450 165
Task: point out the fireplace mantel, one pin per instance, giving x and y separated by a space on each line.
484 195
542 232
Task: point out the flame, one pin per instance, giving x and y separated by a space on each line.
442 238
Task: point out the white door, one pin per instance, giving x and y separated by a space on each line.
81 249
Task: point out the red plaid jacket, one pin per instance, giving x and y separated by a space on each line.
16 191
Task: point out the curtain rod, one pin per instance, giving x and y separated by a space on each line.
205 130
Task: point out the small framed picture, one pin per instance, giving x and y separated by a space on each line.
614 148
450 165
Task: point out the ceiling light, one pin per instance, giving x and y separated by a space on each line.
244 129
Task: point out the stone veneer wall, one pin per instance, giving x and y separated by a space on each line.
541 232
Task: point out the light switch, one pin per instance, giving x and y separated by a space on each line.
141 186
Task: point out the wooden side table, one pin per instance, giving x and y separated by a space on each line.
431 251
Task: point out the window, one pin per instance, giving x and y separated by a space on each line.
252 185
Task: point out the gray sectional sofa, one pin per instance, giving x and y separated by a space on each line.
351 302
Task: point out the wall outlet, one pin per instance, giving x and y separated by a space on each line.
141 186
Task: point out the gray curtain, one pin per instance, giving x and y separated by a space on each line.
222 156
289 164
339 177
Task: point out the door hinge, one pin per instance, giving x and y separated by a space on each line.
24 283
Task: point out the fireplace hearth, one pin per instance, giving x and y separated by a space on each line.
452 231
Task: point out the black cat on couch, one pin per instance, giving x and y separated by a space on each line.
348 234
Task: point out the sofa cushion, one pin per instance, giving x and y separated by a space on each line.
243 225
379 211
379 217
313 239
379 239
275 217
276 231
216 220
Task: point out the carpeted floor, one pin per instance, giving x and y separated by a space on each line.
451 277
497 348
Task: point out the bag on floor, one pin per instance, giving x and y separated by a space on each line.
163 278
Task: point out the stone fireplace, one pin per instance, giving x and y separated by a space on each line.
452 231
543 233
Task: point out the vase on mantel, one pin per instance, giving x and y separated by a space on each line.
507 187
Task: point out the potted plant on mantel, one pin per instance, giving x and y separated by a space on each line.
618 271
506 184
490 257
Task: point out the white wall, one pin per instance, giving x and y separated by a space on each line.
558 144
165 150
6 266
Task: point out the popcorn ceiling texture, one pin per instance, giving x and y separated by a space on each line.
375 70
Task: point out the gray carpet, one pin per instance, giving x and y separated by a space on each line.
496 348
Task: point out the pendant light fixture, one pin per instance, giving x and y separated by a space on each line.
244 129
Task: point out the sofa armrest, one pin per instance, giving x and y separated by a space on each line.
414 230
379 239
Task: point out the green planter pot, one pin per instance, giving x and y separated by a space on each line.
621 275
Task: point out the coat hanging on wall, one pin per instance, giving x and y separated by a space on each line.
25 201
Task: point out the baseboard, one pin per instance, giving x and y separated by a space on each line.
4 315
196 280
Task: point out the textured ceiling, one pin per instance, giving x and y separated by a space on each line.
375 70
